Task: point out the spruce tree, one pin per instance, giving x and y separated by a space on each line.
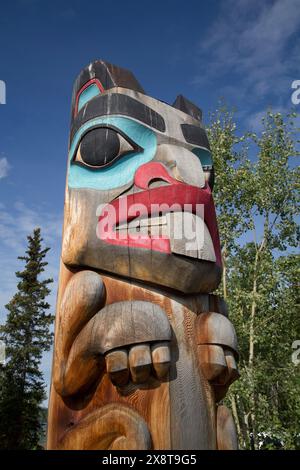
27 335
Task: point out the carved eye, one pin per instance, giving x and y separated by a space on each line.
102 146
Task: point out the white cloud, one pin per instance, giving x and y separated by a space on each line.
253 44
4 167
18 221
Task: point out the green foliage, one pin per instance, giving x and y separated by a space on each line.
26 335
258 200
232 170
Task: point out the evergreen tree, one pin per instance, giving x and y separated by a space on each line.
26 335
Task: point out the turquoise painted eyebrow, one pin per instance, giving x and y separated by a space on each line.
204 156
88 94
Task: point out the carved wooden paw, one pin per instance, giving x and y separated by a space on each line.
217 351
131 338
138 363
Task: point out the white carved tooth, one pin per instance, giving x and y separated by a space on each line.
189 236
159 230
137 230
134 223
162 220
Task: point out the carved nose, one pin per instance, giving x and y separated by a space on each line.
150 172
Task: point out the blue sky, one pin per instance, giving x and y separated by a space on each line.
246 51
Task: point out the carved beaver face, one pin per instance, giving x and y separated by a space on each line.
140 175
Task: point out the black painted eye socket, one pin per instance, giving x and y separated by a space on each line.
101 146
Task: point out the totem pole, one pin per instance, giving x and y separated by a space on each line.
144 351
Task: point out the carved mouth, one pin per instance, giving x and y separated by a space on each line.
187 233
178 231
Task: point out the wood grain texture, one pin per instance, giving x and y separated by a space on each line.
232 373
167 405
191 426
83 297
217 351
114 427
161 358
140 363
179 409
117 367
115 326
212 360
226 430
212 328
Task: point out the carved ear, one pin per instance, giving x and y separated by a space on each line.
185 105
106 76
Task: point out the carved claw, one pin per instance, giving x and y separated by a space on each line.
161 359
138 363
117 367
137 341
130 338
217 351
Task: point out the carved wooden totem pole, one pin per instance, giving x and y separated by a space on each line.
143 350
